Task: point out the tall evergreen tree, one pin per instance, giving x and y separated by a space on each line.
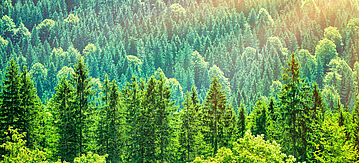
190 137
63 103
163 119
218 116
82 96
31 106
132 102
11 113
294 104
259 125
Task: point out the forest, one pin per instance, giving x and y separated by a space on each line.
201 81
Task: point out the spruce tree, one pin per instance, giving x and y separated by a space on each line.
218 116
164 107
294 105
63 103
189 127
82 96
132 102
31 106
11 112
241 122
259 126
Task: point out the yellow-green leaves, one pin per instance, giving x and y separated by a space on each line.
250 148
72 19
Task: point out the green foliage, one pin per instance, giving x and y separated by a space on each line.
72 19
18 152
90 48
335 147
250 148
332 33
325 51
218 117
7 26
90 158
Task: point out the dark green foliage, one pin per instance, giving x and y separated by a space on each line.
217 117
182 43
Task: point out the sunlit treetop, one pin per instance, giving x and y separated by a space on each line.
72 19
38 70
59 52
3 42
134 60
47 24
90 48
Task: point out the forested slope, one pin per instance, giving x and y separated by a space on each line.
171 80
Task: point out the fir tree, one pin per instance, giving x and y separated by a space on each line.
218 117
82 95
63 103
11 112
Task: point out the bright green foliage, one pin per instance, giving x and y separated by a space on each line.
72 19
190 137
11 113
332 33
19 153
90 158
17 150
250 148
90 48
294 105
325 51
64 72
218 117
335 147
31 105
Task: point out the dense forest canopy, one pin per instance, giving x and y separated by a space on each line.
179 80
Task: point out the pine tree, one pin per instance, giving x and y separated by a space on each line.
63 103
82 95
31 106
294 102
164 108
11 114
218 117
189 130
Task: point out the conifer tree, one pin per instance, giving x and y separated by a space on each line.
218 116
259 126
132 102
11 113
82 95
63 103
164 108
294 102
31 106
189 130
241 122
